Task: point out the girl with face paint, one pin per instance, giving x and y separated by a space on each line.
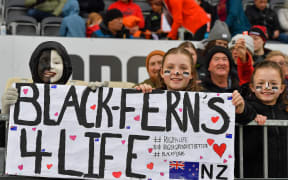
177 72
267 101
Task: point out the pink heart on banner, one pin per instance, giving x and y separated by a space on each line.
161 173
73 138
150 150
225 161
165 160
150 166
93 107
230 156
201 157
33 129
215 119
180 109
123 141
25 91
137 118
20 167
56 114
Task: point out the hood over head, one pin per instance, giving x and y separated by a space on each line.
35 58
71 7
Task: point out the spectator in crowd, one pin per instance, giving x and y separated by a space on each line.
153 20
189 46
221 73
92 24
260 14
177 73
259 35
89 6
281 59
188 14
112 26
72 24
231 11
40 9
128 8
153 66
249 44
219 36
282 14
132 24
268 101
49 63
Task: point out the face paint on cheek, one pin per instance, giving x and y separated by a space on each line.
44 65
186 74
275 88
167 73
258 88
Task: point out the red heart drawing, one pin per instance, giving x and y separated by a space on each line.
49 166
230 156
123 141
214 119
20 167
210 141
161 173
72 138
33 129
117 174
150 166
56 114
219 149
201 157
137 118
93 107
25 91
180 109
150 150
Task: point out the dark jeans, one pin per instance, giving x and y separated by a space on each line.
38 15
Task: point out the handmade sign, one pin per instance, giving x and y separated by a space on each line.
74 132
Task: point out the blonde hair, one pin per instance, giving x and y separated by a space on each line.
276 53
93 18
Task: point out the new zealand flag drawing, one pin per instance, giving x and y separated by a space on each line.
183 170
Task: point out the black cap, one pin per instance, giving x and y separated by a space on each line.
112 14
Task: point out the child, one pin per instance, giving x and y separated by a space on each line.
269 101
92 23
178 72
132 24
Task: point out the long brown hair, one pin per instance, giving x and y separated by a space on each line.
193 85
273 65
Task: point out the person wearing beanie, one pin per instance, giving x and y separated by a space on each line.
153 66
112 26
129 8
221 72
248 43
132 24
260 36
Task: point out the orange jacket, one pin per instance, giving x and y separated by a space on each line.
186 13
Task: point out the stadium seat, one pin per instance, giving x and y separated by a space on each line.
22 25
50 26
107 3
144 5
276 4
14 8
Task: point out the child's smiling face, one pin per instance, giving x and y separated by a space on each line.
267 85
177 71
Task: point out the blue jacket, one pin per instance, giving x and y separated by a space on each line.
236 19
72 24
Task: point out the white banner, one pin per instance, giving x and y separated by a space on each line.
72 132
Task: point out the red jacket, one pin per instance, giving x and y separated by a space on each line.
245 70
129 9
186 13
91 29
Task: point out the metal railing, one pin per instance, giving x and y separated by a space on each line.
269 123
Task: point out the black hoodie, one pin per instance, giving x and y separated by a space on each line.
50 45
